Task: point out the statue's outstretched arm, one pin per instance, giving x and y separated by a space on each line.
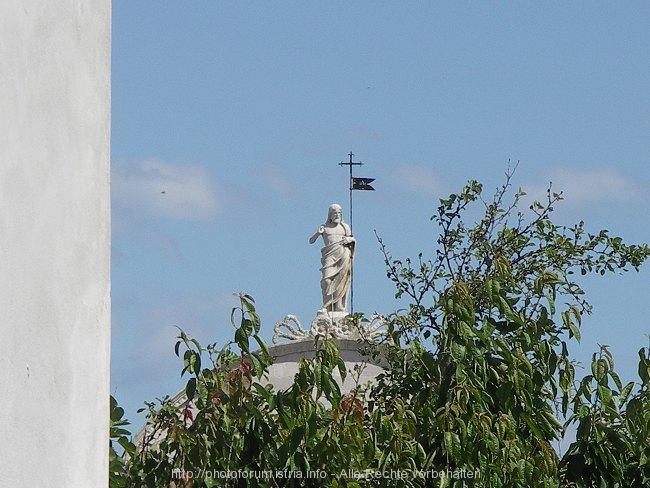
318 233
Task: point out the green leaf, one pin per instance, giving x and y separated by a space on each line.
190 388
457 351
492 442
263 392
599 369
615 378
127 445
241 339
452 445
625 393
116 413
644 367
296 437
461 376
569 324
605 395
532 425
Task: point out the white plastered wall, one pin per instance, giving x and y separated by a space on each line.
54 242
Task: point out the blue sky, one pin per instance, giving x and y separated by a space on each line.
230 118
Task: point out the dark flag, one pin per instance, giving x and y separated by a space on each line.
362 183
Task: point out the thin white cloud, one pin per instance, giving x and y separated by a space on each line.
419 179
202 315
178 191
590 186
278 180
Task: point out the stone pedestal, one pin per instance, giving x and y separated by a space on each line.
361 368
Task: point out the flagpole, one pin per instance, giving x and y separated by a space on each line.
349 164
355 184
351 267
351 232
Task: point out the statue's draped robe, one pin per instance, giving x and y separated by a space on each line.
336 259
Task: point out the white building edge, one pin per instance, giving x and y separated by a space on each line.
55 242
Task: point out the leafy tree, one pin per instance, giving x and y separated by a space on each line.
612 445
118 435
478 384
498 362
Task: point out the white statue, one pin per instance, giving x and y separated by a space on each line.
333 319
336 259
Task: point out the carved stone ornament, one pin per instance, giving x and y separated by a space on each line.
291 329
330 324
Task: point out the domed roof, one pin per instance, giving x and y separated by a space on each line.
362 368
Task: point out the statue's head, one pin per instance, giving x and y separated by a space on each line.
335 214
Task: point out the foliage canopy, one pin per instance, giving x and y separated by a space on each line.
479 381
